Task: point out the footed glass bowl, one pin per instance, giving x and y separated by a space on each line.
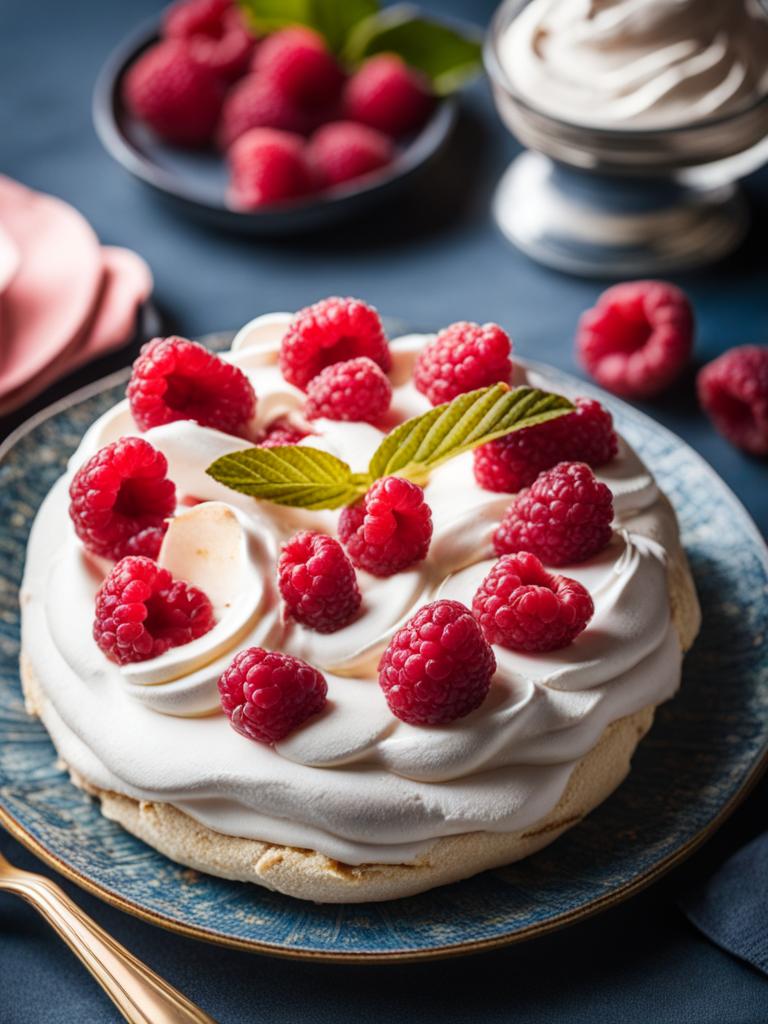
611 202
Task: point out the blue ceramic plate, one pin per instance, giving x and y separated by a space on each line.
705 749
196 181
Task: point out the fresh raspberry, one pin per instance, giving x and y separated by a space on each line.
564 517
176 379
279 433
256 102
343 150
176 96
266 694
733 391
385 93
120 499
268 166
299 63
390 529
317 582
354 390
514 461
521 606
638 337
142 611
437 667
463 357
215 32
331 331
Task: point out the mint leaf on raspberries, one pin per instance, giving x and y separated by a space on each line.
447 55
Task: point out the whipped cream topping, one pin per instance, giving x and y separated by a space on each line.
637 63
354 783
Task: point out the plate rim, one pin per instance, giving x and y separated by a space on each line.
426 144
748 781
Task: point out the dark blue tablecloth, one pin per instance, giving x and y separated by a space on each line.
438 259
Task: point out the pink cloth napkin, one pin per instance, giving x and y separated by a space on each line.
64 298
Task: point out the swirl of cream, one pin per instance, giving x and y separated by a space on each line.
637 63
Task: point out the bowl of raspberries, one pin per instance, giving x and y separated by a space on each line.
272 128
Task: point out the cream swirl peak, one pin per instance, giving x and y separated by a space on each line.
637 63
354 783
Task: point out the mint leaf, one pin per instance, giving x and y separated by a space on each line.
269 15
295 475
421 444
333 19
447 56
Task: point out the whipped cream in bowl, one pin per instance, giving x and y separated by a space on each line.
354 783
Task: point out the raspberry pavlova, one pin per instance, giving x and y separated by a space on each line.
351 617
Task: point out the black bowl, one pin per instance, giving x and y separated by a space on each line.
196 181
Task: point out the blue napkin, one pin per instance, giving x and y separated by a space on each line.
731 908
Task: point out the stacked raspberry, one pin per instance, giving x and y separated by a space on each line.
290 118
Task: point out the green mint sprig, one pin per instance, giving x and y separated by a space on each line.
357 29
304 477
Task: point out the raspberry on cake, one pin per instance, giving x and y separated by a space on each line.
121 498
638 338
514 461
266 695
317 582
331 331
215 33
438 667
142 611
298 63
179 98
268 166
521 606
344 150
355 390
175 379
463 357
281 432
390 529
564 517
733 391
385 93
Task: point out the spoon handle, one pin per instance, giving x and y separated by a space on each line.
140 994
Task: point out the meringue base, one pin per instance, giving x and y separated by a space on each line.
309 875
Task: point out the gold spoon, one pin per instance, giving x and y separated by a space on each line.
139 994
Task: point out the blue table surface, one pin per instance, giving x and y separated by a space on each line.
438 259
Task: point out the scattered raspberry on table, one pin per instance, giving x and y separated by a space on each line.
638 337
733 391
